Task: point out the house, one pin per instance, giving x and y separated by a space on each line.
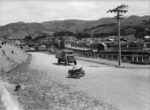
13 40
147 38
102 47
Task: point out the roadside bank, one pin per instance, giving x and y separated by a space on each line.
11 56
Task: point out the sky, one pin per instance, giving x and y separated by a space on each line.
48 10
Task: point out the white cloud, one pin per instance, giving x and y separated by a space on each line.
45 10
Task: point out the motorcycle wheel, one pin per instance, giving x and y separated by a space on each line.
82 73
59 61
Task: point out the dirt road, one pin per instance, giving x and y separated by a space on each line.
127 89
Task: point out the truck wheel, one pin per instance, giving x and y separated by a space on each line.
66 62
69 74
75 62
59 61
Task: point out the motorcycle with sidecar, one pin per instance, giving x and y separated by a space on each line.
76 72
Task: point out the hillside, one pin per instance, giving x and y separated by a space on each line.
103 25
20 29
111 27
63 25
76 25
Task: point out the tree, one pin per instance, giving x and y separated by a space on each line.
27 38
63 33
130 31
82 35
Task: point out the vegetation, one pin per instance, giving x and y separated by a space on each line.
40 33
70 27
63 33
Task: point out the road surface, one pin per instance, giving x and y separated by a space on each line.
127 89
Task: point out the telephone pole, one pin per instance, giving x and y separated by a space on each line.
119 9
67 39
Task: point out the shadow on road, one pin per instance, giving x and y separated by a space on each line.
62 64
71 77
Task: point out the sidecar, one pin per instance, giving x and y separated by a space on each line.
76 72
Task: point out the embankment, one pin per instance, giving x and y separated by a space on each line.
10 57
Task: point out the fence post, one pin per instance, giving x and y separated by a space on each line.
132 58
111 57
102 55
142 59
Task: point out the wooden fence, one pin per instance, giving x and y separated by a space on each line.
132 57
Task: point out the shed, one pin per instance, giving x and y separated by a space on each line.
102 46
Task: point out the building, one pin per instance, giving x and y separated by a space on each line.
17 41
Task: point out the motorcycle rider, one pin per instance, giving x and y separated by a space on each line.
75 67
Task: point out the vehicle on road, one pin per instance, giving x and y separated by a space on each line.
66 56
76 72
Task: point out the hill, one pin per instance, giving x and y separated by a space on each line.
63 25
111 26
103 25
21 29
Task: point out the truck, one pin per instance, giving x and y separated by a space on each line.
66 56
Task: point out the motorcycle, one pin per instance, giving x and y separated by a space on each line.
76 72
